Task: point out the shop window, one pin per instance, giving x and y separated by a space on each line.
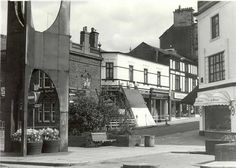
216 67
109 70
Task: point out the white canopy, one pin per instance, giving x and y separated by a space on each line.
217 98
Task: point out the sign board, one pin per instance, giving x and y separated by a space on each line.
179 95
33 97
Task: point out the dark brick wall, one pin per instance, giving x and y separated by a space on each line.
80 65
182 39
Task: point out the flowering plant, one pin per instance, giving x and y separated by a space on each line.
50 134
33 135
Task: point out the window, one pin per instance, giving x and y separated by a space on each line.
109 70
131 73
158 78
41 79
186 85
44 80
40 113
216 67
194 83
177 65
46 112
215 26
145 76
53 112
177 82
186 68
47 81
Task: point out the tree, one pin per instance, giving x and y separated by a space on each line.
87 114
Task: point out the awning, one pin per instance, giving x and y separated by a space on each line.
212 99
190 98
138 107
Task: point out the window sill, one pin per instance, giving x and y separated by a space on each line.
214 39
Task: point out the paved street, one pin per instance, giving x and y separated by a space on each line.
177 150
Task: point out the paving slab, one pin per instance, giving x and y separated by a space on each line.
78 156
220 164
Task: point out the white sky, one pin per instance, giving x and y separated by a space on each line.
121 23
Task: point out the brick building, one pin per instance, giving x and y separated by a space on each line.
85 64
84 77
182 35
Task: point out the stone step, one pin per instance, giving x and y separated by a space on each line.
220 164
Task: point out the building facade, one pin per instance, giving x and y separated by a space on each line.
150 78
182 35
216 51
182 75
85 64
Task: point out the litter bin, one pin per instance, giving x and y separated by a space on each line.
149 140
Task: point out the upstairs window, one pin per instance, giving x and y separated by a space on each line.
177 65
216 67
186 84
131 73
158 78
177 82
109 70
145 75
215 26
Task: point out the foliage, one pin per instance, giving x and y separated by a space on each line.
33 135
50 134
88 115
229 137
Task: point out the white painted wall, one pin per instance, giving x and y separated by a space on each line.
123 61
225 42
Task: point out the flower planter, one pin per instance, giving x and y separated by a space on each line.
210 145
16 146
225 152
51 146
126 140
34 148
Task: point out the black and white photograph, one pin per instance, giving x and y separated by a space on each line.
117 84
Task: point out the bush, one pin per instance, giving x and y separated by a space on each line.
88 115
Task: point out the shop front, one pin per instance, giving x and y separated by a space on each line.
217 112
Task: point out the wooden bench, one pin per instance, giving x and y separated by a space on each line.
100 138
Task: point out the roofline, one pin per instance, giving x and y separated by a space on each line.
206 6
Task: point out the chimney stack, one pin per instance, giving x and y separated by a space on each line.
84 38
93 39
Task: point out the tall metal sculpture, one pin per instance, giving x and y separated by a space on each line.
29 50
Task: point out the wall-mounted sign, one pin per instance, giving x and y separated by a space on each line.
179 95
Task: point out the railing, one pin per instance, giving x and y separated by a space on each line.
117 124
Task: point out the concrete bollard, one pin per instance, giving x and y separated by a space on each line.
142 165
149 140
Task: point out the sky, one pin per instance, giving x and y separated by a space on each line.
121 24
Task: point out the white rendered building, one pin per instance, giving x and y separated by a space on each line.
217 69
